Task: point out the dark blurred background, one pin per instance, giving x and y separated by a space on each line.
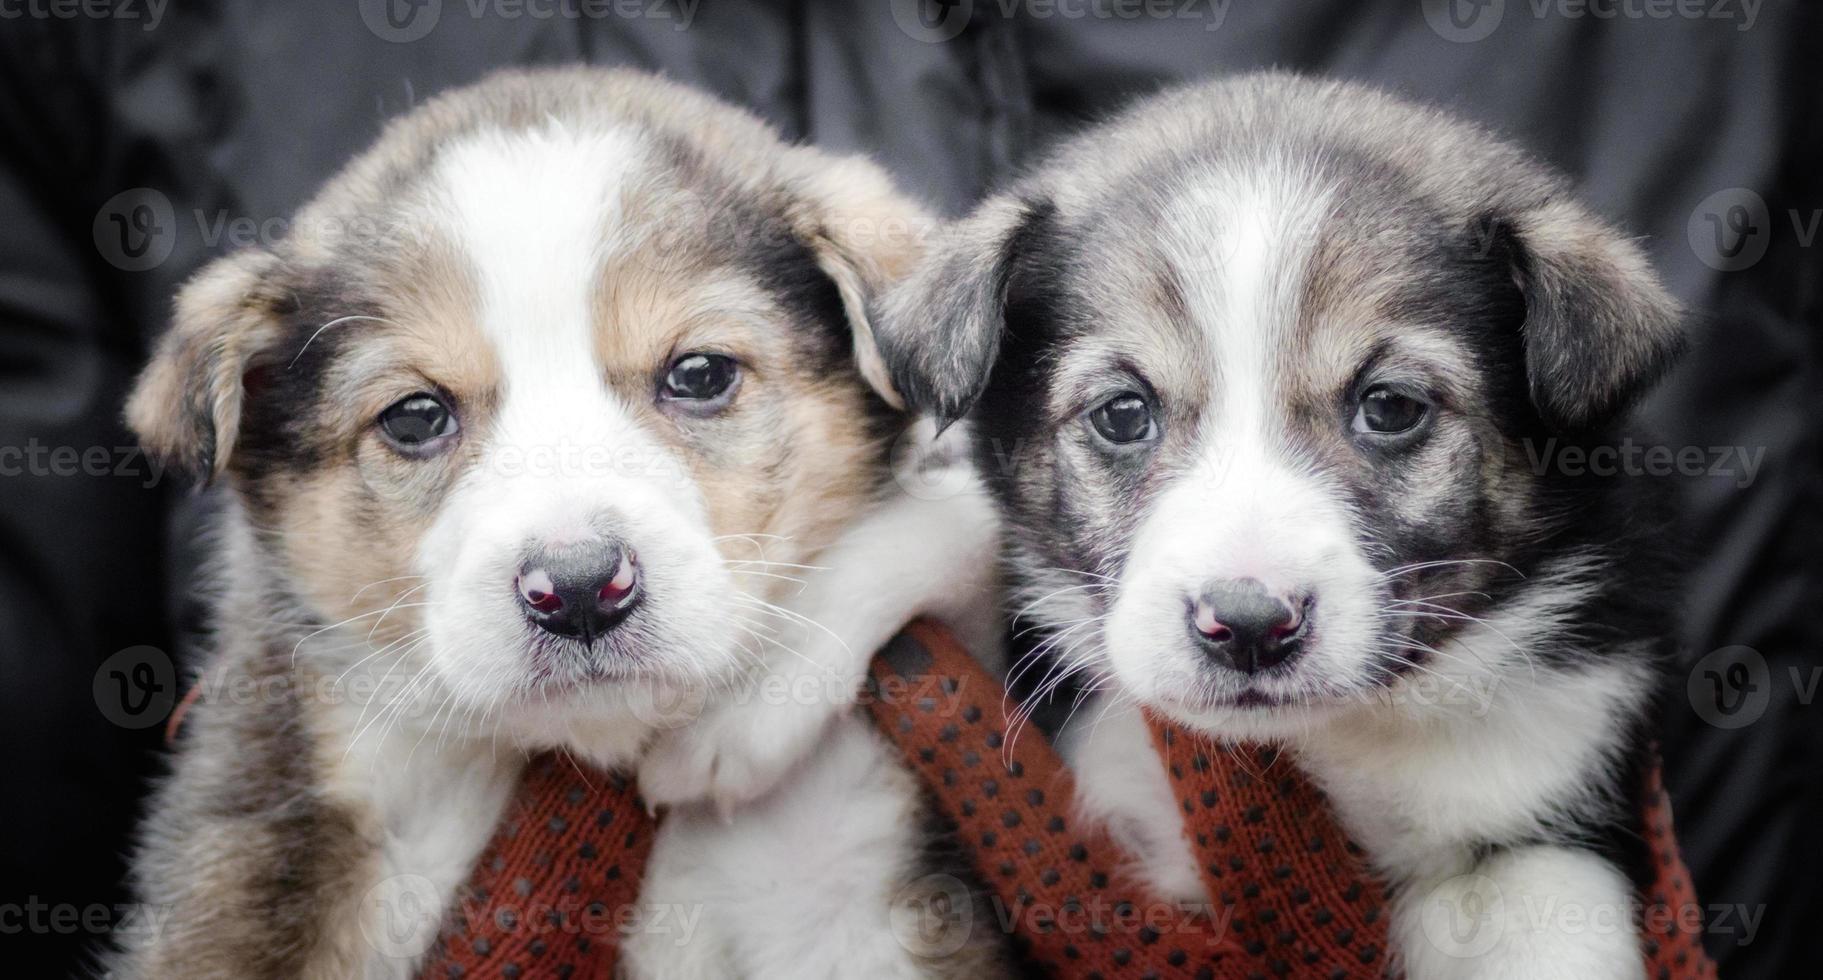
138 140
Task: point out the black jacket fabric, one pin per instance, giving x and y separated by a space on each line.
136 146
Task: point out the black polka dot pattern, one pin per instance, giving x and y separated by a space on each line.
549 894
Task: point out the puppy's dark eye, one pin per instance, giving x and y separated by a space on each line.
1384 411
1124 418
418 424
704 378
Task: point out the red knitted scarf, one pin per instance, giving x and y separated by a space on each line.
556 886
1290 893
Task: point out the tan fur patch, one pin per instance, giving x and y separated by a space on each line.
791 460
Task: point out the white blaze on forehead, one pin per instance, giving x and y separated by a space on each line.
535 212
538 214
1240 237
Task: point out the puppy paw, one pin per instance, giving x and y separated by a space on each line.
732 755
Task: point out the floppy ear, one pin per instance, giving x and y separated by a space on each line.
866 236
186 405
1599 329
940 329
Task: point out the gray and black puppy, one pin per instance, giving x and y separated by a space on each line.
1257 371
557 405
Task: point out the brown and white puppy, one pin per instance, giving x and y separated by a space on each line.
1258 371
535 424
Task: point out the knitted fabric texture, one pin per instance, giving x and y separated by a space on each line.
1292 896
1292 889
1671 917
557 884
1058 880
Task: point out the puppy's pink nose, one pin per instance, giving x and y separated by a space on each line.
581 590
538 591
1242 626
1204 617
621 586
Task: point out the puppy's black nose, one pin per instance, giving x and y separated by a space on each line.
1239 624
580 591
